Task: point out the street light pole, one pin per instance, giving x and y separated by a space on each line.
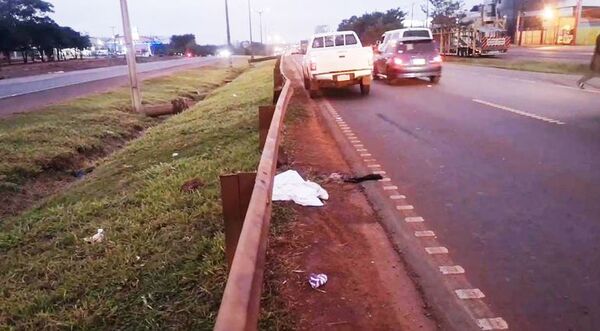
578 10
227 20
136 99
250 22
260 12
412 15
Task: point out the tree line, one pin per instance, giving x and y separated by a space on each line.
26 28
370 26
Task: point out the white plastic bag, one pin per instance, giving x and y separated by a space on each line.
290 185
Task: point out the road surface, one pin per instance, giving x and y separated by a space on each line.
29 93
580 54
505 168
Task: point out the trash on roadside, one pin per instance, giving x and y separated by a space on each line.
357 180
336 177
317 280
82 172
175 154
97 238
191 185
290 185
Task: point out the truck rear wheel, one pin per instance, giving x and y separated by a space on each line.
365 89
435 79
313 94
306 83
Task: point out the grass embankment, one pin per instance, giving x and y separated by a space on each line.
554 67
162 265
63 138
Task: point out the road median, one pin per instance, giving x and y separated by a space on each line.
161 264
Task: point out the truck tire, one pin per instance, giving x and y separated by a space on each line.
435 79
313 93
306 83
365 89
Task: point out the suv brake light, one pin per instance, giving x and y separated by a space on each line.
397 61
313 66
437 59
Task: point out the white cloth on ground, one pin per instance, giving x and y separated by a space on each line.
290 185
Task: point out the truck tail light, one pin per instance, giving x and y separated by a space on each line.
313 64
437 59
397 61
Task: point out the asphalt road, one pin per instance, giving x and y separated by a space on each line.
505 168
29 93
578 54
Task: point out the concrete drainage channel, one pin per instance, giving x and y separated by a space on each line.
457 304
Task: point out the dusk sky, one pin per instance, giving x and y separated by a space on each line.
292 20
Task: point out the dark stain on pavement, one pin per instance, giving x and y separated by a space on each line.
400 128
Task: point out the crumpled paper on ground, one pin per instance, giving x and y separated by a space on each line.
290 185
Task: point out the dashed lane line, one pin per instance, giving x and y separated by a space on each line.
469 294
452 270
519 112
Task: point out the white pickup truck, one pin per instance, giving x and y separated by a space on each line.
337 59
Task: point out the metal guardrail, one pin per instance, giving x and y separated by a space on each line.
240 306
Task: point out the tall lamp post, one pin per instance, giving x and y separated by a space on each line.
250 23
136 99
260 12
227 21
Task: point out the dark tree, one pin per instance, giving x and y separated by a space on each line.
183 43
371 26
445 13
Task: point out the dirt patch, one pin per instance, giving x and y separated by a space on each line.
59 173
368 287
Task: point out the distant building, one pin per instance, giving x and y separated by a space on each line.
552 22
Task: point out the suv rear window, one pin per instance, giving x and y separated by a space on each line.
416 33
416 46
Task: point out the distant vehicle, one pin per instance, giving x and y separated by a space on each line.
395 35
337 59
411 57
303 46
481 32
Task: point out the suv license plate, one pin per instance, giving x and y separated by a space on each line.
419 62
343 78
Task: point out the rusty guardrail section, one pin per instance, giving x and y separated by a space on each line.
246 251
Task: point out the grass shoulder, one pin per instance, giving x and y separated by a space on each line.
162 264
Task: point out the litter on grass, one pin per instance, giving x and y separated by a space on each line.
97 238
290 185
317 280
336 177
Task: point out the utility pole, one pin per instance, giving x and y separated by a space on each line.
250 22
227 20
427 13
412 15
136 99
260 12
578 11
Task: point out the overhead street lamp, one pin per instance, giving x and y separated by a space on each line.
250 22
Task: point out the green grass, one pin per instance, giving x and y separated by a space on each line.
52 139
555 67
50 278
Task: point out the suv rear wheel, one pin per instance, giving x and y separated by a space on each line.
365 89
435 79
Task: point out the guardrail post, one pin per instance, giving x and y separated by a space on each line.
236 191
265 116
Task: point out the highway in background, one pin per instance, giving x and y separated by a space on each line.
505 169
31 92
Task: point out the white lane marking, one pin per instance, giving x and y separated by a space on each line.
366 155
452 270
361 150
519 112
355 141
405 207
385 180
379 172
578 89
390 188
414 220
370 160
397 197
496 323
421 234
436 250
358 145
373 166
469 293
